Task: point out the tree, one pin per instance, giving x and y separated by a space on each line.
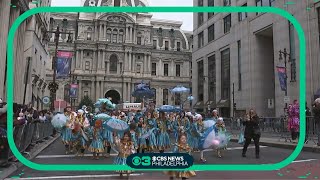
87 102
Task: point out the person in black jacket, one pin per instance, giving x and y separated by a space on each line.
308 123
252 131
316 115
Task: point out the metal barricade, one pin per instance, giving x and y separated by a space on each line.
275 127
25 135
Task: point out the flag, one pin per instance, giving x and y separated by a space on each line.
282 77
74 90
63 64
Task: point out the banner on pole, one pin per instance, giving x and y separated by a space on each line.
74 90
282 77
63 63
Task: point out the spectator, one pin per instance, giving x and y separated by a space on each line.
42 117
251 131
316 114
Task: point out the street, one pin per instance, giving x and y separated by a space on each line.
54 154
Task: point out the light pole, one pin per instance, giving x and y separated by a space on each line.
53 86
285 54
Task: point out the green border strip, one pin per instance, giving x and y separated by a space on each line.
216 167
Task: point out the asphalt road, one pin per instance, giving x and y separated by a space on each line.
306 165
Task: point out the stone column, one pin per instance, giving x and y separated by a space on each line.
172 68
96 31
131 35
126 54
105 32
100 32
103 59
134 36
102 89
92 90
127 34
81 61
118 68
80 91
4 16
94 61
77 59
133 63
98 60
129 92
97 90
108 67
145 64
129 62
149 64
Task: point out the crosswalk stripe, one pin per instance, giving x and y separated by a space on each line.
75 177
113 154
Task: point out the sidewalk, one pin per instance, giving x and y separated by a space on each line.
38 148
281 143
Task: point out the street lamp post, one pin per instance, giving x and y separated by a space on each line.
53 86
285 54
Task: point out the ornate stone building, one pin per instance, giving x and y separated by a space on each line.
115 51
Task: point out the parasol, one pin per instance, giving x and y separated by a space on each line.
59 121
143 93
117 125
102 116
208 138
180 89
168 108
106 101
146 135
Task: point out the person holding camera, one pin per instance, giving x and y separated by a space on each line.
251 131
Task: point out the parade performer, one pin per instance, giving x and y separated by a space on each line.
66 130
142 142
125 147
78 141
152 124
181 147
221 136
96 146
133 129
184 124
293 120
163 139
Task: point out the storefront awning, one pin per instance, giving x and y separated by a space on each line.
223 103
198 105
211 104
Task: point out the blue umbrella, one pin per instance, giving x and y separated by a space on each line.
168 108
109 104
102 116
116 125
180 89
208 123
59 120
147 93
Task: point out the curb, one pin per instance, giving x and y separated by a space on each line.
16 165
313 149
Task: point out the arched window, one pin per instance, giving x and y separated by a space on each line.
114 35
113 64
121 36
165 96
89 33
109 35
116 2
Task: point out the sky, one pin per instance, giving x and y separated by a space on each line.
186 18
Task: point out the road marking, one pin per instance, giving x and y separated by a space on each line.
75 177
306 160
90 155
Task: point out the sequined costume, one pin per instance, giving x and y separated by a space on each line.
163 139
151 124
180 148
125 149
96 145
